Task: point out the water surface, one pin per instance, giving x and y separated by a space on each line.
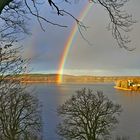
53 95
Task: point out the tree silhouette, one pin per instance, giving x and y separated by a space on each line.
19 110
88 115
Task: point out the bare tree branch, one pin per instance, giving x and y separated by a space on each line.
120 21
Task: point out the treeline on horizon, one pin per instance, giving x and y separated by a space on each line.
70 78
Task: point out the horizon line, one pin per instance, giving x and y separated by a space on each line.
81 74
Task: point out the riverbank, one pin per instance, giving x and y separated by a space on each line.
120 88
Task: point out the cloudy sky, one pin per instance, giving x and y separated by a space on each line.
103 57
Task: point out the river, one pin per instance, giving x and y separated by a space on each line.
53 95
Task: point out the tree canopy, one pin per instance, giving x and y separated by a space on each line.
88 115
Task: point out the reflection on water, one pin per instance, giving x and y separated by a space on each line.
52 96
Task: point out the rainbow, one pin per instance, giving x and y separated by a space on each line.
69 42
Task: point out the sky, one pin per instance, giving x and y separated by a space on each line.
103 57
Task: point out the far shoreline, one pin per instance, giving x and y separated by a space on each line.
53 78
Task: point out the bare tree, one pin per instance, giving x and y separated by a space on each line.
19 110
19 117
14 14
88 115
